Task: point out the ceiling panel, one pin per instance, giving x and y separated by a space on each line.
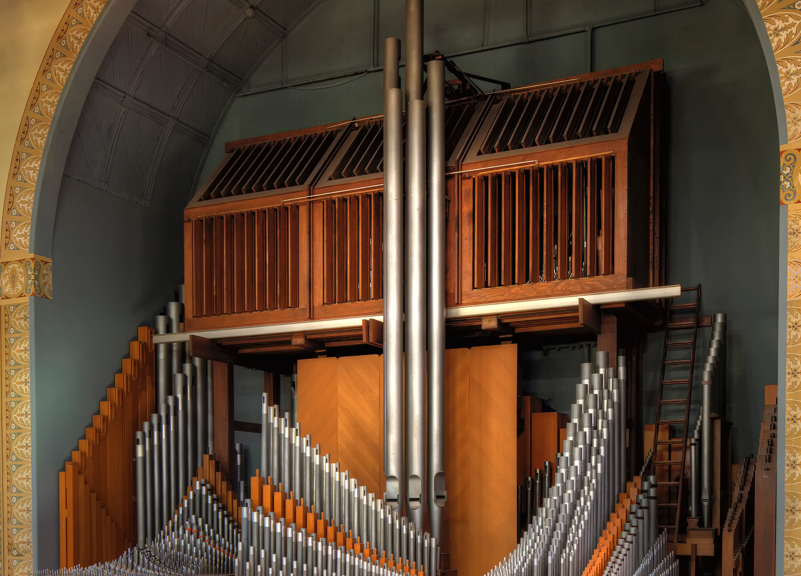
202 22
163 80
245 47
155 12
205 103
133 157
173 184
124 56
92 136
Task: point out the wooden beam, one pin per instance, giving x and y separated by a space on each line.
272 387
200 347
608 337
254 427
373 332
224 417
493 324
589 316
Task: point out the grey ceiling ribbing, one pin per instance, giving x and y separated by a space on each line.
161 89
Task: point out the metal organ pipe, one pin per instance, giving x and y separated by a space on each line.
393 277
415 311
436 294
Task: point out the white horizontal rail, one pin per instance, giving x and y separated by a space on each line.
518 306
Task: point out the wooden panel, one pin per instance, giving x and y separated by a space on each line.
534 226
607 218
578 213
479 227
317 402
456 514
358 409
507 230
493 435
521 253
548 186
493 230
564 222
377 248
545 428
224 416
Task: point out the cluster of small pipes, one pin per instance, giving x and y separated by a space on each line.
362 533
658 562
170 447
590 474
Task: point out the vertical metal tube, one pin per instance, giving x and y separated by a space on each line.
179 384
266 429
706 454
201 410
174 312
191 430
694 496
141 482
416 312
393 275
163 361
210 407
622 387
148 481
175 497
158 488
275 449
436 294
166 486
414 50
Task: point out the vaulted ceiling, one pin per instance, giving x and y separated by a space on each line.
163 86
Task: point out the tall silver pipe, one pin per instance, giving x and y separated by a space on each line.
415 311
158 487
706 454
393 276
201 410
266 429
191 426
695 501
210 407
163 361
414 50
174 311
622 381
141 483
166 499
436 295
175 496
179 384
148 481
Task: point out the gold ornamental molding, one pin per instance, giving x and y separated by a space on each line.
34 127
782 20
24 275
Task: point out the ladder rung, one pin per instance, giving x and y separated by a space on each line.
675 401
681 343
673 441
685 324
667 526
675 382
668 505
667 463
677 362
671 422
660 484
686 306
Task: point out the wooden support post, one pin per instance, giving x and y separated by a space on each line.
224 416
272 387
608 338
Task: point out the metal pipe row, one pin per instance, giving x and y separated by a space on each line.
296 468
588 477
175 438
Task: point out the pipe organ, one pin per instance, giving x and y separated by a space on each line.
530 212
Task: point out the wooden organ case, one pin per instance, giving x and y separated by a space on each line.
553 189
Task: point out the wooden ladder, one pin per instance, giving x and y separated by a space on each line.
680 319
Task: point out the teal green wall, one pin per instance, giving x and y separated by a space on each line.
117 263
